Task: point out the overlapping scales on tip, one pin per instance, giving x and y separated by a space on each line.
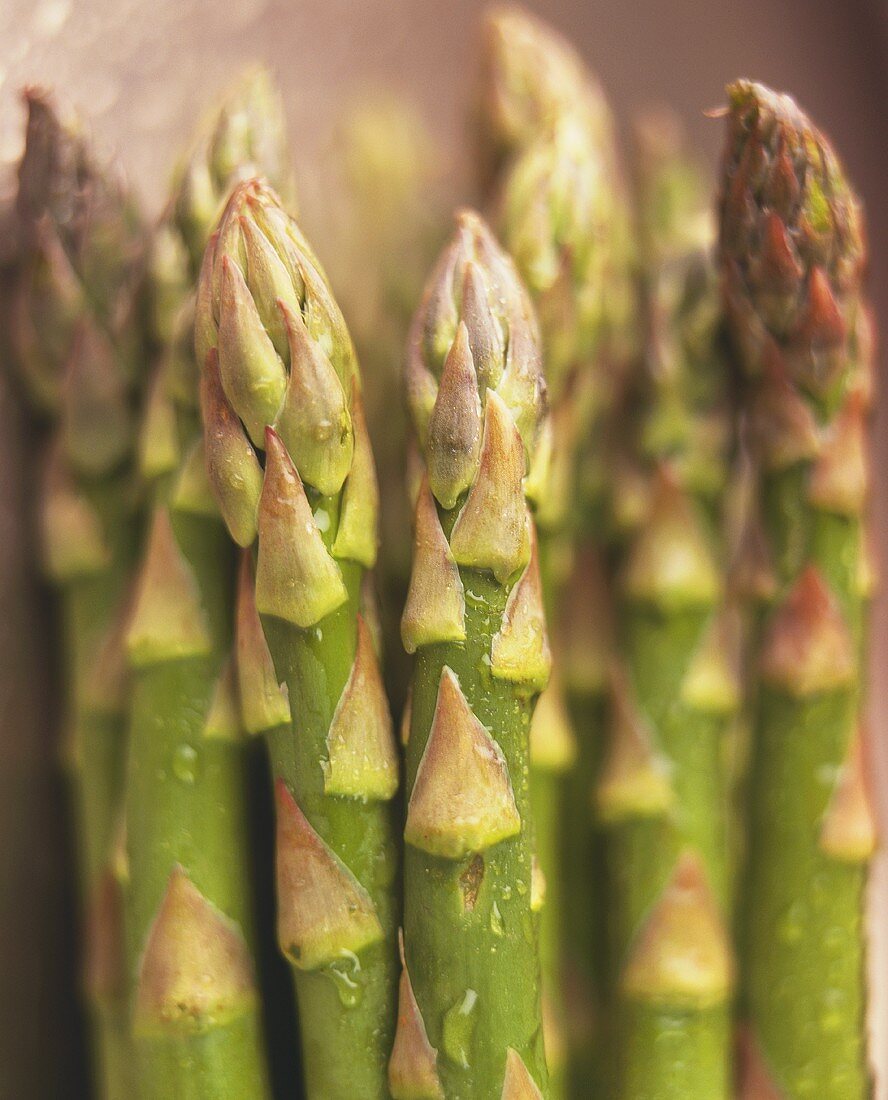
276 356
792 241
474 336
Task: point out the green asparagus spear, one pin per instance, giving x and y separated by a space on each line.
793 256
561 214
196 1013
663 793
470 1017
280 377
76 342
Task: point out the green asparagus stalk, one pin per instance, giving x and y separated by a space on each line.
470 1015
196 1014
280 376
73 328
561 213
793 256
663 792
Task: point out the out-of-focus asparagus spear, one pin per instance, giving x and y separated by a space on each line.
561 212
793 255
77 340
663 792
196 1012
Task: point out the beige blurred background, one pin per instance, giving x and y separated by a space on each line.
142 71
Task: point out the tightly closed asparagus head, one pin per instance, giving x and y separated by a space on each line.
470 1016
793 256
280 380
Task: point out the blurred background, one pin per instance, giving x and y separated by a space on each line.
141 72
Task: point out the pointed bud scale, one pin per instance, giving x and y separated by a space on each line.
822 321
808 648
233 469
192 492
753 574
362 758
413 1066
671 563
104 963
296 578
518 1084
314 422
323 911
634 780
520 649
357 537
840 476
712 682
453 439
368 605
420 385
206 337
222 722
263 701
849 832
96 419
252 373
168 621
159 434
435 607
196 971
682 955
270 286
483 332
779 260
553 745
406 716
783 427
523 388
73 542
755 1080
547 483
462 799
537 886
489 532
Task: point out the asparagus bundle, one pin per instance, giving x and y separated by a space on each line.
793 257
76 341
662 794
469 1021
196 1015
280 376
561 214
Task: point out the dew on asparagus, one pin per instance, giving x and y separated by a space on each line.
459 1024
185 764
